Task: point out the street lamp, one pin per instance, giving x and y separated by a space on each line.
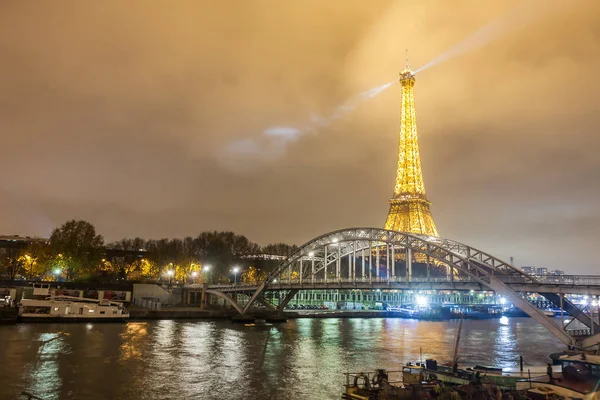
235 272
57 272
170 274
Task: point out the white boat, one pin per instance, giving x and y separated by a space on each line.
580 379
67 308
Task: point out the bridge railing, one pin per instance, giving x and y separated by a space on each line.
575 280
579 332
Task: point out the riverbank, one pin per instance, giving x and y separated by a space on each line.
196 313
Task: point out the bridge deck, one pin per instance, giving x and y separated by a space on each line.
581 284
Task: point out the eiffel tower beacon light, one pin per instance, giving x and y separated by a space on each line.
409 207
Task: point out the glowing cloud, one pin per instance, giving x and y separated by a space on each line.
524 13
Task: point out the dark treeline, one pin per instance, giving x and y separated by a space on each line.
76 252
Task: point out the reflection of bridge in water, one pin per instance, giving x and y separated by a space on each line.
372 258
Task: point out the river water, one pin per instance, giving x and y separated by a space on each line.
300 359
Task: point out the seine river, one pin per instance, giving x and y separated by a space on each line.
301 359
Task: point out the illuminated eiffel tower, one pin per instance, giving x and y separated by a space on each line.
409 207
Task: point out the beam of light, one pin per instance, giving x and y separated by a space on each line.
524 13
274 140
351 104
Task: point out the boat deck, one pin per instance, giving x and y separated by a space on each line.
584 386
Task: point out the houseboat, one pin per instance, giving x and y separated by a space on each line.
67 308
579 379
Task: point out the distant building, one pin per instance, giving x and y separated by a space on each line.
541 271
557 272
528 270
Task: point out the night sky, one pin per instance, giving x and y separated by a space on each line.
152 119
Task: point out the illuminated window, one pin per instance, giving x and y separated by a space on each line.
90 311
55 308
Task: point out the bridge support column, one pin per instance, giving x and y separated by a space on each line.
408 265
353 276
394 262
349 265
325 263
370 261
428 265
387 261
301 270
312 270
362 260
377 262
338 263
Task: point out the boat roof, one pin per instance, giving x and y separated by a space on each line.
589 358
76 300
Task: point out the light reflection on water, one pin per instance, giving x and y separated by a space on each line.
302 359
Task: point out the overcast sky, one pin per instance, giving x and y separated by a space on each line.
156 119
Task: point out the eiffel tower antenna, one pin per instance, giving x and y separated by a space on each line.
407 67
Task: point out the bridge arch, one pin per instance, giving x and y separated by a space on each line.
320 254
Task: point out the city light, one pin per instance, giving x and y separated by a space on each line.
311 254
206 268
594 303
170 272
194 274
502 300
236 269
422 301
57 271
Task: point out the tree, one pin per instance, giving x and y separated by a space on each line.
77 248
279 249
34 260
253 274
222 250
9 264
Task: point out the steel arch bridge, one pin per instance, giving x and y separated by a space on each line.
342 257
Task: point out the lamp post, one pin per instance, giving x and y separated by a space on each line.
194 275
235 272
170 274
57 272
206 269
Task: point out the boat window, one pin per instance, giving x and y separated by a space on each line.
55 308
595 369
114 311
36 309
101 312
90 310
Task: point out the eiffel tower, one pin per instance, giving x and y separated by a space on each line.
409 207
